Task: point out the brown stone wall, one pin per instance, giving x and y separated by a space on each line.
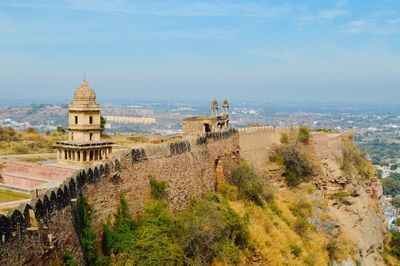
189 167
29 248
194 126
256 143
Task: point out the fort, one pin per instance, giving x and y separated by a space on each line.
41 230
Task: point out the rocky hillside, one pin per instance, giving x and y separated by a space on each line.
343 196
314 200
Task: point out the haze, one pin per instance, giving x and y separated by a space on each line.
326 51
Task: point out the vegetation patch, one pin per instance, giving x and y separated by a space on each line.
297 166
304 135
355 157
86 233
249 184
210 229
158 188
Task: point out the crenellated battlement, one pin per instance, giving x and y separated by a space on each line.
35 232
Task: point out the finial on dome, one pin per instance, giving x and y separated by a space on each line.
214 103
84 94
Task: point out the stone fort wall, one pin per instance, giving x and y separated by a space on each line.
256 143
42 230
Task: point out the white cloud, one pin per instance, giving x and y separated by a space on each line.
163 8
373 26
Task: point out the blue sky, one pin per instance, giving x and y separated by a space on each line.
328 51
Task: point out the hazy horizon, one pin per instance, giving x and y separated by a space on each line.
264 51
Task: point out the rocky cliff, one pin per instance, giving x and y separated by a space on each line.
343 191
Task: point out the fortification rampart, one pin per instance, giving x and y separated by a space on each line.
42 230
256 143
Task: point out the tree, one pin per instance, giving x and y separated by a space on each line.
103 122
396 201
60 129
391 186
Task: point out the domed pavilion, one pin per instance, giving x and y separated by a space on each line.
84 143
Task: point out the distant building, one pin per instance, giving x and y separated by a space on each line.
198 125
84 145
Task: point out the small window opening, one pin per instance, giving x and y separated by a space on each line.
91 120
76 120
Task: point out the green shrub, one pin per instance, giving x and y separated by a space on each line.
107 241
155 240
158 188
304 135
150 240
284 138
391 186
210 229
85 231
395 244
301 226
295 250
68 259
249 185
228 191
296 164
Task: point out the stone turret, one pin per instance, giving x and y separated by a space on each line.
198 125
225 106
214 108
84 143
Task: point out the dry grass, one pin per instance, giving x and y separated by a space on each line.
273 236
30 142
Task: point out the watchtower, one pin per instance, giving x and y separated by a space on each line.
84 143
197 125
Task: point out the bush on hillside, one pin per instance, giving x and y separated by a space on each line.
304 135
148 240
85 231
249 184
68 259
8 134
284 138
297 167
210 229
355 157
158 188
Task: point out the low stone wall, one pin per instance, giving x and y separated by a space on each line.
26 176
38 232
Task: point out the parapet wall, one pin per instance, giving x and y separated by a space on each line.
256 143
38 232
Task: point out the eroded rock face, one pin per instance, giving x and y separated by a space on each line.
353 200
